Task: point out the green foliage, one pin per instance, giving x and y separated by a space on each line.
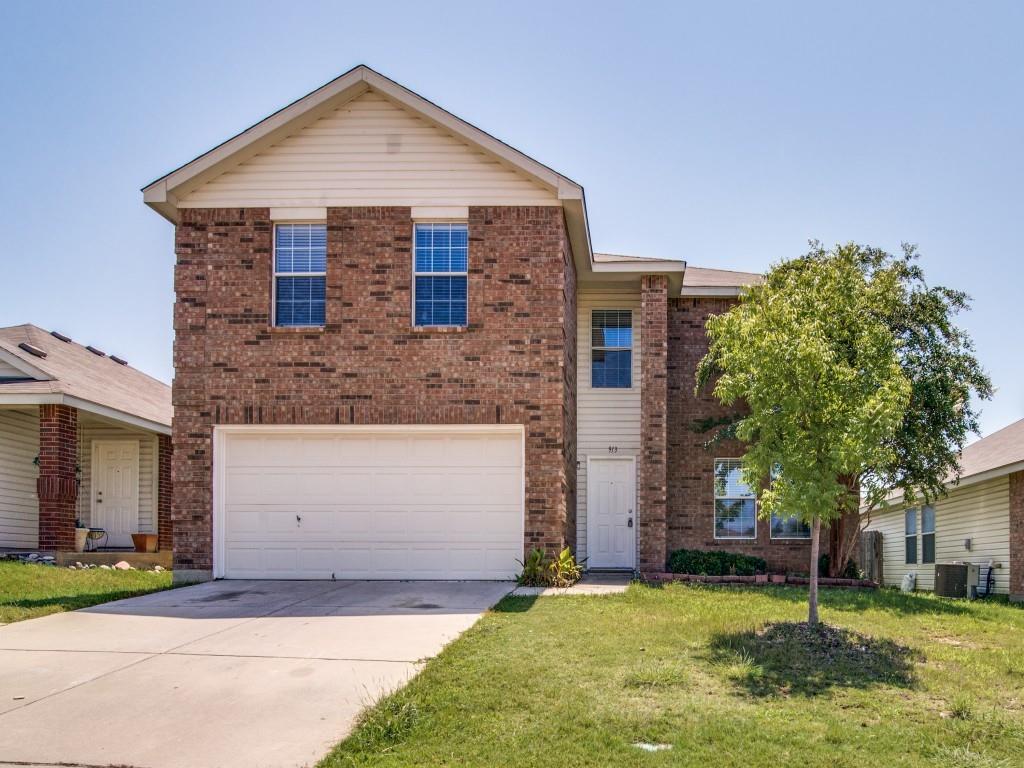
538 571
825 329
849 571
535 572
382 727
715 563
564 571
810 353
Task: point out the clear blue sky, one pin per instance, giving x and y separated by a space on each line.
726 134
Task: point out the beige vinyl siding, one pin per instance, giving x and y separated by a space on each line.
148 476
604 417
370 151
978 512
19 505
8 371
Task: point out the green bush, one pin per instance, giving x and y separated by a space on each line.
715 562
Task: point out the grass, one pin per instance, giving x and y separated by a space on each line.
726 676
28 591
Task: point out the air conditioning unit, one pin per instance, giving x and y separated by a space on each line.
957 580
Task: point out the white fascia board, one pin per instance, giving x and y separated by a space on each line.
58 398
709 291
896 502
23 365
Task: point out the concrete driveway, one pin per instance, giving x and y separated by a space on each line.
228 673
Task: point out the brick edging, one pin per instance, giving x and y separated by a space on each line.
662 577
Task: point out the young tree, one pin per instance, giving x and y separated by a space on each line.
828 355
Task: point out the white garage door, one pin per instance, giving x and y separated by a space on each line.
399 503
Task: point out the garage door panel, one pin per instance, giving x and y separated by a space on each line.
372 505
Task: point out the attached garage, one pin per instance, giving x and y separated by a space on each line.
396 502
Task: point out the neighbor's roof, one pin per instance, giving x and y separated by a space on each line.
1001 450
72 374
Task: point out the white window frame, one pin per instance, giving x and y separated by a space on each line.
415 274
928 533
714 507
275 274
631 348
908 514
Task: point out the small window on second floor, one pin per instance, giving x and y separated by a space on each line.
611 348
300 274
441 275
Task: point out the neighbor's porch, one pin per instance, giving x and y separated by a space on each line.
61 465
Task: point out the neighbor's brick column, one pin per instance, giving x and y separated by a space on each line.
165 527
56 486
653 421
1017 536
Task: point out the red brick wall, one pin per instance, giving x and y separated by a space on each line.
164 492
57 485
691 514
654 351
1017 535
369 365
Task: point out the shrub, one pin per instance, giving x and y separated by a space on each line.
534 569
538 571
715 562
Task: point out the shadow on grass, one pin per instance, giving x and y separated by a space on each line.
515 604
795 659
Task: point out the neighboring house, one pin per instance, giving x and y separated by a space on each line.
980 520
397 356
83 436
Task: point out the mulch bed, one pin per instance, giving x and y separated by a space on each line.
662 576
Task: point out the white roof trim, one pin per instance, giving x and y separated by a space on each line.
58 398
23 365
896 503
699 291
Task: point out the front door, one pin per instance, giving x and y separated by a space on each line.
115 490
611 522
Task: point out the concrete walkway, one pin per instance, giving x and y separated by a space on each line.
223 674
590 584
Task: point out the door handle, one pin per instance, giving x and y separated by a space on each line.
629 523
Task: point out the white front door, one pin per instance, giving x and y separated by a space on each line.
115 490
611 522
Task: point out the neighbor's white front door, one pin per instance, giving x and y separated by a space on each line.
611 522
115 489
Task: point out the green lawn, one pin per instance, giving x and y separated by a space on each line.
28 591
576 681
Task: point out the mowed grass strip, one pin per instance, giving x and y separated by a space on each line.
28 591
910 680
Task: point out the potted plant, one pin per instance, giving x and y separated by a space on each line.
81 535
144 542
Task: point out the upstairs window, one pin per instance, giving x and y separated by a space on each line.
440 274
910 534
300 274
735 506
611 349
927 535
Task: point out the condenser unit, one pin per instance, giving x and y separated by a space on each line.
957 580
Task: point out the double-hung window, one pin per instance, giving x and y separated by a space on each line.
611 349
300 274
927 534
910 534
440 274
788 526
735 505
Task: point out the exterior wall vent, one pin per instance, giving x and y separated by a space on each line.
32 350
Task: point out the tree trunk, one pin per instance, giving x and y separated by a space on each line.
812 590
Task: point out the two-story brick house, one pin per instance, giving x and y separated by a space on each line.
397 356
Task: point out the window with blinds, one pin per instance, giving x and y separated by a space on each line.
611 348
300 274
441 275
735 505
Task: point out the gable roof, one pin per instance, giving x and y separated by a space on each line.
1001 450
71 374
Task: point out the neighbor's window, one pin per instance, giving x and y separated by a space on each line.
611 348
735 507
927 535
441 274
300 274
910 532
